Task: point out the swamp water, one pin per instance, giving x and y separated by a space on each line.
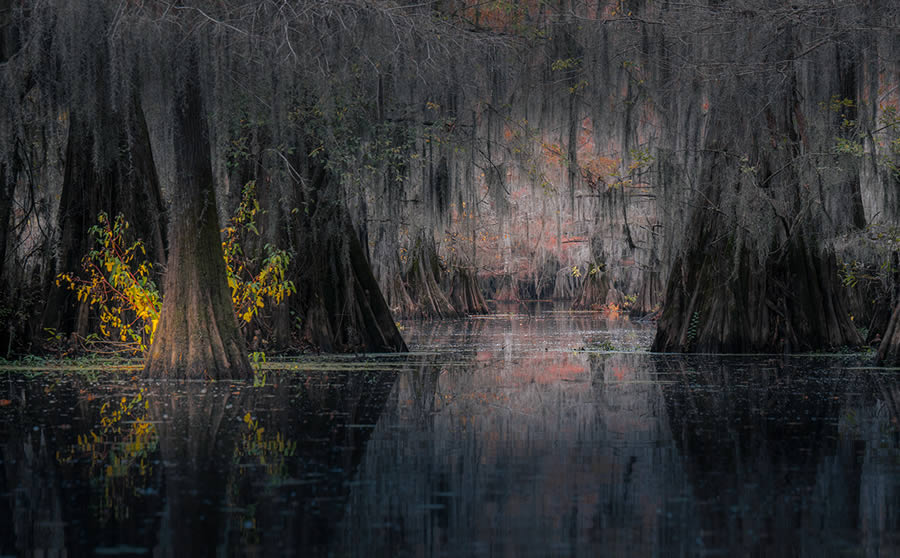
509 435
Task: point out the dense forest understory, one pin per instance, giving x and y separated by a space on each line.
193 184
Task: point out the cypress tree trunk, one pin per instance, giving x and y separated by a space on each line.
6 193
889 350
6 177
721 297
276 326
9 43
594 292
197 335
792 304
465 293
338 300
422 281
758 272
121 182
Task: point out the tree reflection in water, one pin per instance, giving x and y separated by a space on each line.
631 455
512 441
186 468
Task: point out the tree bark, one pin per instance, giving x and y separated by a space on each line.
465 294
789 305
338 301
422 281
7 186
594 292
889 350
197 335
762 279
124 183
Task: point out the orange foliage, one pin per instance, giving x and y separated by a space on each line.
595 170
502 15
553 153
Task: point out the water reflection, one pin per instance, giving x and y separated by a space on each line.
776 452
535 453
182 469
509 435
547 455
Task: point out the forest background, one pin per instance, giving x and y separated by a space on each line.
195 181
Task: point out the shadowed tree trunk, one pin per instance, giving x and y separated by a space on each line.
7 179
7 189
197 335
338 297
595 292
8 44
757 273
422 275
121 182
465 292
386 264
889 350
277 326
789 305
719 297
270 328
338 300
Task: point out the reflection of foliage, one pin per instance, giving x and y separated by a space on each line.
119 283
118 452
257 359
269 451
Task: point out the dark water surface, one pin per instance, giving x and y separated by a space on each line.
519 434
